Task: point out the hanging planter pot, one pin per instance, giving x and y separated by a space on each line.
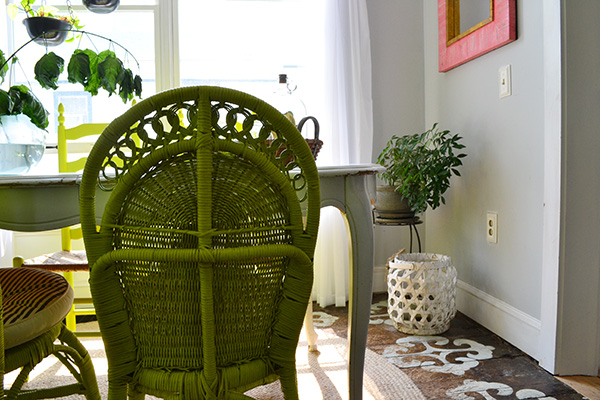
101 6
47 31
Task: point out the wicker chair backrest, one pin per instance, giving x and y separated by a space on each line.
203 263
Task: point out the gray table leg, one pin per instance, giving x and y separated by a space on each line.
359 216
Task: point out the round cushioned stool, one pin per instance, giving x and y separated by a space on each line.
33 301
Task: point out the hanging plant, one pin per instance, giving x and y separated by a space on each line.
93 71
44 24
20 100
104 70
47 31
47 70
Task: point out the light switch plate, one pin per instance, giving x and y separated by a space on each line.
504 75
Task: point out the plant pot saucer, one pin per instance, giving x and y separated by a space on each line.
397 221
47 31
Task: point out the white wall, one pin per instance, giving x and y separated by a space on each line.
504 169
500 284
396 29
538 171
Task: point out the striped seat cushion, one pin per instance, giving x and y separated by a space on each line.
33 301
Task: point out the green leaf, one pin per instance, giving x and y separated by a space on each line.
4 68
137 85
6 103
25 102
93 82
126 85
109 72
16 94
12 11
26 4
47 70
79 68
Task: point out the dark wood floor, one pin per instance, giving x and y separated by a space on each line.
467 360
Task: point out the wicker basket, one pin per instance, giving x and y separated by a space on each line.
421 293
314 144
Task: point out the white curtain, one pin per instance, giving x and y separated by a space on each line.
349 129
6 248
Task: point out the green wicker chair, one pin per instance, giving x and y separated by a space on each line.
202 270
33 305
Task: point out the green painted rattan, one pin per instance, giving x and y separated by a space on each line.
59 342
202 269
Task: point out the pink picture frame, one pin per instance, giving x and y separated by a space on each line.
498 30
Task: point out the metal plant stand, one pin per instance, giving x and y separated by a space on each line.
410 222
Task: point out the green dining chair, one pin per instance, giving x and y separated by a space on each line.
202 268
33 305
72 154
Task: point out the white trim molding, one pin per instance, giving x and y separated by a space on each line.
516 327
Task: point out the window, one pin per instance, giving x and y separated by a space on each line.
246 44
132 27
241 44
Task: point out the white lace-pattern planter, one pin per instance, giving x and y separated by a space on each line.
421 293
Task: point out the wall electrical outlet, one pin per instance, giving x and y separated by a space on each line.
491 225
504 76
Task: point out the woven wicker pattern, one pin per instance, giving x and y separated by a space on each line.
421 293
202 269
33 290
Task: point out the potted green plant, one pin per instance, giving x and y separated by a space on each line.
418 169
19 99
23 120
421 286
44 24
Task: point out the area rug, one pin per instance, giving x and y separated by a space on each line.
321 375
325 373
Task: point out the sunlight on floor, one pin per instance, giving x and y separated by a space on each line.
321 374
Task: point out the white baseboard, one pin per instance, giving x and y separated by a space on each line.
516 327
379 280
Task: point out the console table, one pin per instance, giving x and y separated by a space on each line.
45 202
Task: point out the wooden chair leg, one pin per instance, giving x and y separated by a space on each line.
311 334
18 261
71 321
